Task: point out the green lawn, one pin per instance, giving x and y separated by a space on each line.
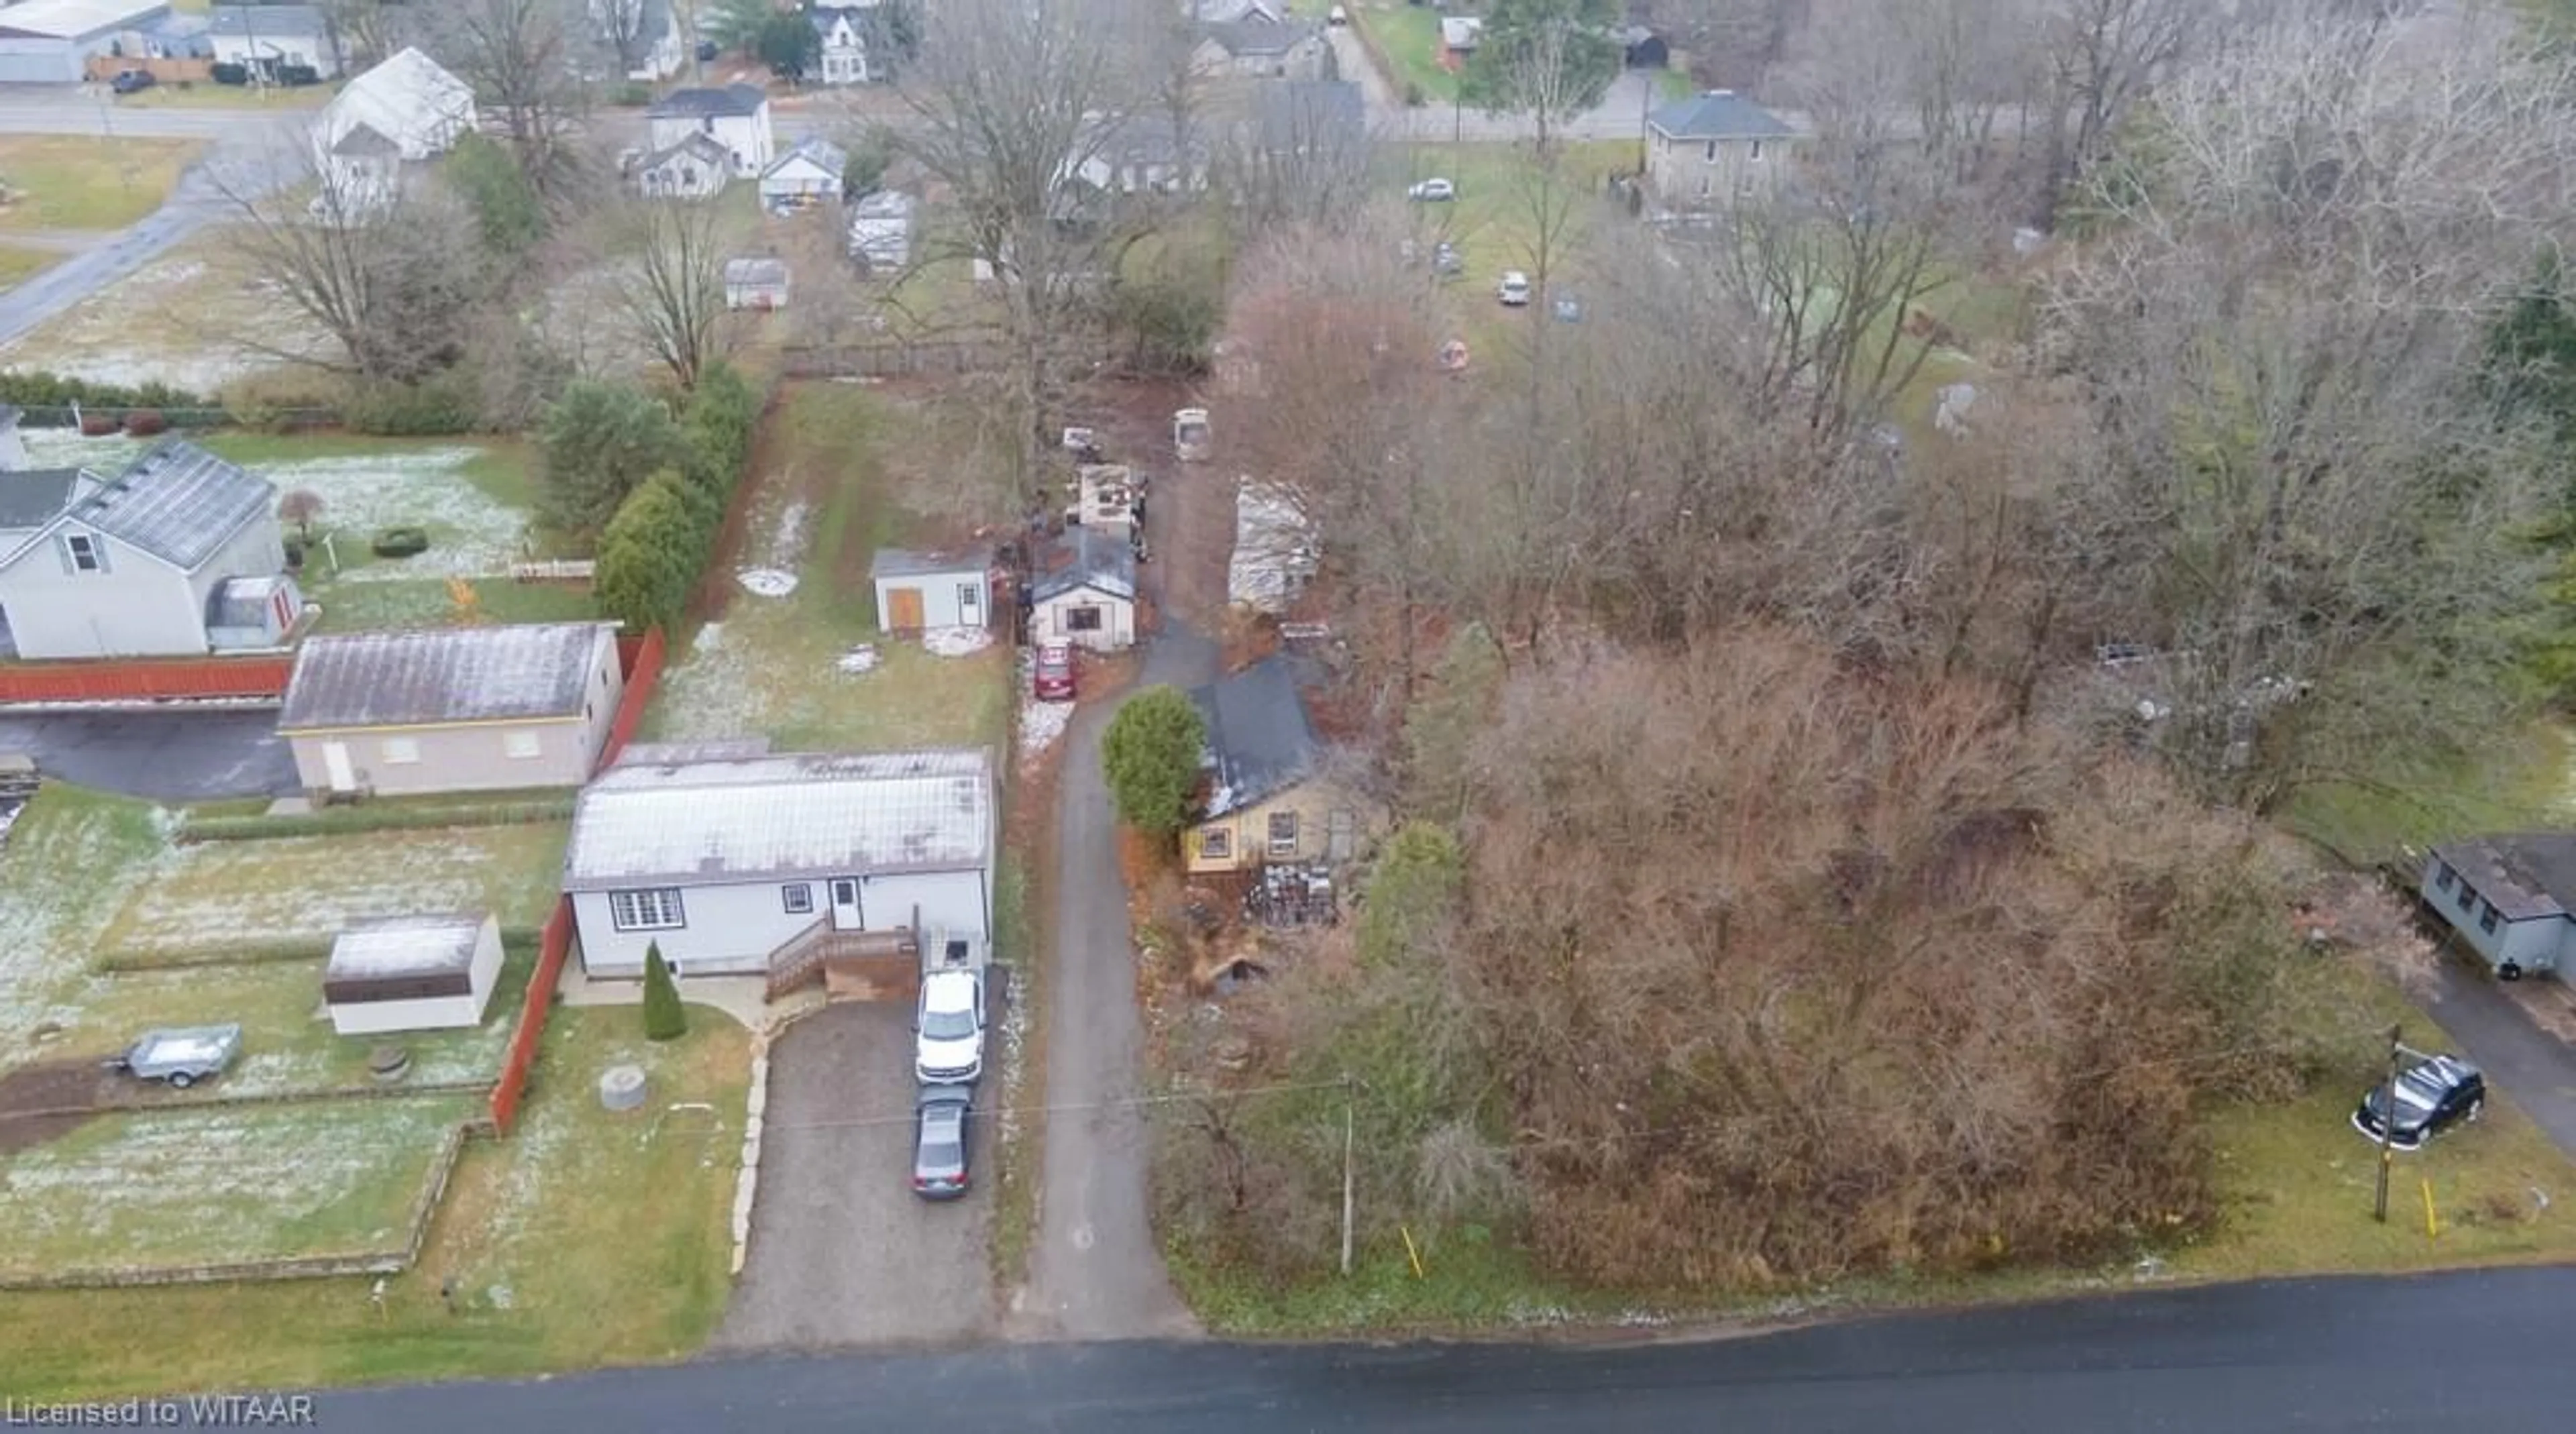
769 667
2523 783
221 1184
211 96
1409 37
80 182
586 1238
17 263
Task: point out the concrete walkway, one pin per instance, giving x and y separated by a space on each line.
745 998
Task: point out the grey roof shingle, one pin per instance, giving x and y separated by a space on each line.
907 563
177 502
1087 557
699 143
268 22
833 159
1308 114
465 674
781 817
33 497
1259 741
2526 874
708 102
1258 35
1718 114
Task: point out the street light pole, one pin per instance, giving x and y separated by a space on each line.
2387 1126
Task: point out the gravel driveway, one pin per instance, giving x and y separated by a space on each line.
842 1254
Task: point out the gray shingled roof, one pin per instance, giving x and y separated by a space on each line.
2526 874
464 674
1308 114
177 502
1259 742
906 563
268 22
33 497
708 102
781 818
704 145
1087 557
1257 35
1718 114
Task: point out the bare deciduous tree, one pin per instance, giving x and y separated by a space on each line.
674 293
521 58
2100 57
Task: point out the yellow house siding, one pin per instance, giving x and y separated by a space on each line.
1247 831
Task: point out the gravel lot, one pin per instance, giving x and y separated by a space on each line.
842 1254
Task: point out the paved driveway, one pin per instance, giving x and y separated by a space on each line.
842 1254
2533 1065
192 756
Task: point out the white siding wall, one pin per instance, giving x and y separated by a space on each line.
311 50
943 604
257 551
33 61
2535 946
1049 621
442 1013
139 607
476 757
732 929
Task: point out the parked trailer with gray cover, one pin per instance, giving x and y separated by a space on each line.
181 1055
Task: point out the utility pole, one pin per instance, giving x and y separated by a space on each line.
2387 1126
1349 1191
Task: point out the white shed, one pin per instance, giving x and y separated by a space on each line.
808 173
881 231
1085 592
918 591
412 973
755 284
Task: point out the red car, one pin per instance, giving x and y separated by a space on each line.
1055 673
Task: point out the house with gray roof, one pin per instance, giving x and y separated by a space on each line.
1270 796
2511 898
735 116
695 168
1263 45
808 172
1084 590
130 564
267 40
1714 148
462 709
748 866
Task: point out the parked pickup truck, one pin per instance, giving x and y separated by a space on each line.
182 1055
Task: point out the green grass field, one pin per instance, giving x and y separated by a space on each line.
77 182
18 263
553 1269
1409 37
211 96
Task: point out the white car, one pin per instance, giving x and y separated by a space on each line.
1432 191
948 1027
1514 290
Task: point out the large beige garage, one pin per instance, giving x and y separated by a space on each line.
454 709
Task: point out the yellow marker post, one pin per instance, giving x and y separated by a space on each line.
2432 1227
1410 1252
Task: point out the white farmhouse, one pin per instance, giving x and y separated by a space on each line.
742 865
735 116
849 36
403 111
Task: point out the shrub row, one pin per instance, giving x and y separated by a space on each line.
367 817
657 545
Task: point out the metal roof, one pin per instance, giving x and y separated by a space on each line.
73 19
830 157
177 502
1088 558
906 563
755 271
1718 114
2526 874
1259 742
1308 114
709 102
389 947
245 602
409 98
460 674
33 497
782 817
1258 34
267 22
699 143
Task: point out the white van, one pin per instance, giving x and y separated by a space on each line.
1337 16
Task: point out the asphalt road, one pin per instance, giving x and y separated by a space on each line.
1095 1271
200 755
842 1254
2483 1351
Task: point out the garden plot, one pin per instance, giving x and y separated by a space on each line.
231 894
222 1184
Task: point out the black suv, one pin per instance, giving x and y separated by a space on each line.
2431 1097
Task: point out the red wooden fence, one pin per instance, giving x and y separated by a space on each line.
553 945
145 681
643 661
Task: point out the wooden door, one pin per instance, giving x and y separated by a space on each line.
905 609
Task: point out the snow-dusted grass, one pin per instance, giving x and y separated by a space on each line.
1041 723
558 1262
175 321
956 641
228 893
69 865
222 1183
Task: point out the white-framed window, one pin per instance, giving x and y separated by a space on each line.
797 898
85 552
969 597
1216 843
401 751
520 745
652 910
1283 834
1082 619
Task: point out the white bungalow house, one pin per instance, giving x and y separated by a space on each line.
695 168
808 173
458 709
1085 592
401 112
134 564
268 39
647 35
737 865
735 116
848 34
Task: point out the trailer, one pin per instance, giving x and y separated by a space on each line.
181 1055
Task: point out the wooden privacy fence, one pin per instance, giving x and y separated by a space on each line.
642 658
146 681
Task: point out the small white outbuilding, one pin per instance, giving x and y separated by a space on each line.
758 284
412 973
